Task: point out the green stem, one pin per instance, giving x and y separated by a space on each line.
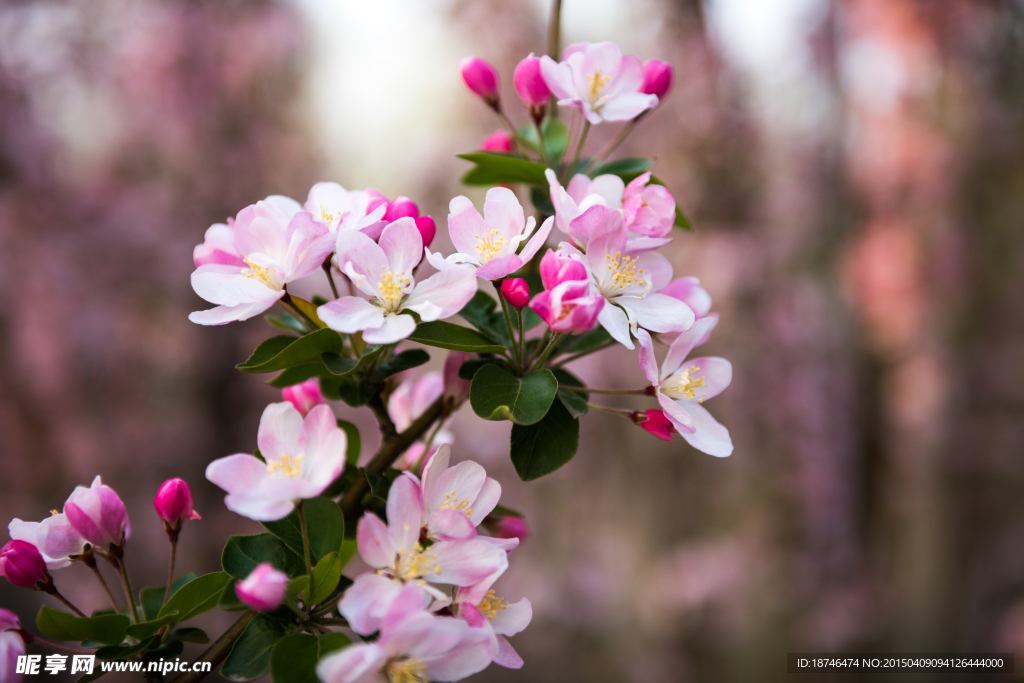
216 653
540 143
305 550
555 338
306 321
330 276
554 28
613 144
581 354
588 390
326 607
511 331
122 570
91 563
570 169
334 622
623 413
170 572
522 335
67 603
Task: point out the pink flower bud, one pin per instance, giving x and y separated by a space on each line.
529 82
427 228
655 422
510 527
401 207
264 589
23 564
516 291
12 646
97 514
456 389
557 267
305 396
657 78
568 307
498 141
481 78
173 503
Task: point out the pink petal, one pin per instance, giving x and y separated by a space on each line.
499 267
358 663
502 212
437 464
513 619
648 364
227 314
236 473
465 225
228 286
685 343
450 525
351 314
407 603
472 615
365 602
280 427
373 541
660 313
361 254
709 436
486 500
463 563
459 483
443 294
537 240
506 656
405 513
677 414
610 188
403 245
613 319
717 374
394 328
259 507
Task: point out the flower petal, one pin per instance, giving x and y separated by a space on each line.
465 225
351 314
405 513
280 427
443 294
613 319
506 656
403 245
503 214
237 473
660 313
537 240
684 343
486 500
717 374
226 314
463 563
648 364
394 328
373 541
513 619
360 663
366 601
450 525
499 267
709 436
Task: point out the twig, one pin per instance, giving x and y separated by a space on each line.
554 28
216 653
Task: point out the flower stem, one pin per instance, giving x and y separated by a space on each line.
588 390
126 582
623 413
581 354
330 276
511 331
540 143
570 169
326 607
555 338
90 562
613 143
554 28
522 335
334 622
170 572
286 302
216 653
67 603
305 551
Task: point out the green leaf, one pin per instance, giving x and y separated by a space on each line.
627 169
196 596
482 312
152 598
325 523
541 200
353 392
285 323
278 353
379 484
470 367
296 586
113 652
587 341
145 629
250 656
400 362
447 335
507 168
308 308
338 365
188 635
108 628
556 138
243 553
298 375
295 656
543 447
682 221
497 394
324 580
353 443
574 401
348 551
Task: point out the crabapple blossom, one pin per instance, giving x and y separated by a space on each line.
301 459
658 76
516 291
649 210
481 78
397 556
414 645
530 85
173 503
55 538
304 396
384 272
654 422
22 564
498 141
409 401
567 303
481 608
489 243
98 514
689 291
264 589
681 391
599 80
218 246
342 210
277 249
12 646
464 488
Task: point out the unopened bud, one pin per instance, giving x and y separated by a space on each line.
173 504
264 589
22 564
530 84
658 76
401 207
498 141
654 422
304 396
516 291
481 78
427 228
510 527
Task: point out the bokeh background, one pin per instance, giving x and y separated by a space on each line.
855 172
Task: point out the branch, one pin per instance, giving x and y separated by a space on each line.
392 446
216 653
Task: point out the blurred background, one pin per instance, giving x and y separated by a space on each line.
855 173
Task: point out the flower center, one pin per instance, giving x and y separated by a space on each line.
491 605
624 273
261 273
489 246
453 503
288 465
405 671
686 385
328 217
391 288
597 82
416 564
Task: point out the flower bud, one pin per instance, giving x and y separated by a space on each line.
654 422
481 78
427 228
569 307
529 83
400 207
173 503
264 589
12 646
516 291
657 78
509 527
557 267
498 141
456 389
22 564
97 514
304 396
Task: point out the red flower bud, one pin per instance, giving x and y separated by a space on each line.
401 207
498 141
23 564
510 527
657 78
173 503
655 422
481 78
516 291
425 224
530 85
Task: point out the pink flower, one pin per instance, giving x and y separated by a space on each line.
453 496
567 303
218 247
427 228
384 272
655 422
277 249
507 526
498 141
342 210
408 402
414 645
54 537
264 589
489 243
481 608
456 389
481 78
302 458
658 77
649 210
22 564
516 292
395 553
530 85
629 284
304 396
173 503
97 514
557 267
684 384
689 291
599 80
12 646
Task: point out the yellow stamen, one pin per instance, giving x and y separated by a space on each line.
287 465
490 246
491 605
453 503
328 217
624 271
687 385
405 671
416 564
597 82
261 273
54 513
391 287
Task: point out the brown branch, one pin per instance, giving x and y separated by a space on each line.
216 653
